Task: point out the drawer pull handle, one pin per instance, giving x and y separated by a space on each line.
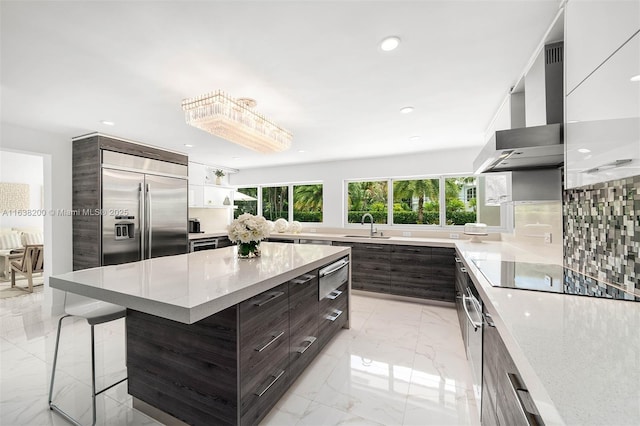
275 337
532 419
463 269
310 340
301 281
273 382
458 260
273 296
334 294
334 317
331 269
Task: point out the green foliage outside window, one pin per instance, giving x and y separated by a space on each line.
307 203
275 202
367 197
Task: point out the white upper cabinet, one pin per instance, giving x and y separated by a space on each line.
594 29
602 134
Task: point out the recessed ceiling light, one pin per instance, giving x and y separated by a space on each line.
406 110
188 145
235 158
584 151
635 78
390 43
301 150
415 138
108 123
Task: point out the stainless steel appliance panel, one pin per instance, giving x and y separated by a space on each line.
121 193
472 305
332 277
166 221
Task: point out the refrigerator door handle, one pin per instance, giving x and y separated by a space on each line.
149 221
142 221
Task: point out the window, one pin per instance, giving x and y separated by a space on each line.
307 203
246 199
459 207
275 202
367 197
416 202
490 212
432 201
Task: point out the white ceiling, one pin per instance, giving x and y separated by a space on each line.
313 66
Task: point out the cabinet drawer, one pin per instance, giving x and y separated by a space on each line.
412 250
333 314
372 248
264 394
304 345
259 313
303 293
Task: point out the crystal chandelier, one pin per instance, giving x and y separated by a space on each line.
236 121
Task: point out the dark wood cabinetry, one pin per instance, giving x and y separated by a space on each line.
414 271
505 398
370 266
333 310
232 367
424 272
303 321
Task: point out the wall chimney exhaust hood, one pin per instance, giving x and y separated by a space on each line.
537 147
528 148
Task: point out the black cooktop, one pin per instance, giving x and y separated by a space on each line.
549 278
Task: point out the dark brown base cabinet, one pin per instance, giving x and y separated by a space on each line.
505 398
370 267
232 367
414 271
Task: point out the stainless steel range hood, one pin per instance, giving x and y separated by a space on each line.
527 148
538 147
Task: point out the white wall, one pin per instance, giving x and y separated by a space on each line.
333 174
55 151
27 169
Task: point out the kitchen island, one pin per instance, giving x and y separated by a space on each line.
213 339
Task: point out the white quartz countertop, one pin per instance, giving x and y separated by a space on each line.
579 356
190 287
355 238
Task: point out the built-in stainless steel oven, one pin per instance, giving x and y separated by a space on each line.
203 244
472 305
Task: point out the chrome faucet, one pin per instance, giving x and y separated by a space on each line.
373 231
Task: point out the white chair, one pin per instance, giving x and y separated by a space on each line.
95 312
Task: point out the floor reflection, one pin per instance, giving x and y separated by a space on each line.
400 364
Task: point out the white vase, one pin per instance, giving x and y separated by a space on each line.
218 180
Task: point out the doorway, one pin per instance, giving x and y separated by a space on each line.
22 217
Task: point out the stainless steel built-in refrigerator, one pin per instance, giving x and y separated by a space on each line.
144 208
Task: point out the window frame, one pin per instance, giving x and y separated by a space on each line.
289 186
506 209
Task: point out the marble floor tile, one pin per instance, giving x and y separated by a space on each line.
401 363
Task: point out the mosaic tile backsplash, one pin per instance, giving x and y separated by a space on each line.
602 231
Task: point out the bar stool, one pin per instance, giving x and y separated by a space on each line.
95 312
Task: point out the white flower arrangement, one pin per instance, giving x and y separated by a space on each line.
247 228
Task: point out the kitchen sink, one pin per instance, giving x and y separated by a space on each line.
379 237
